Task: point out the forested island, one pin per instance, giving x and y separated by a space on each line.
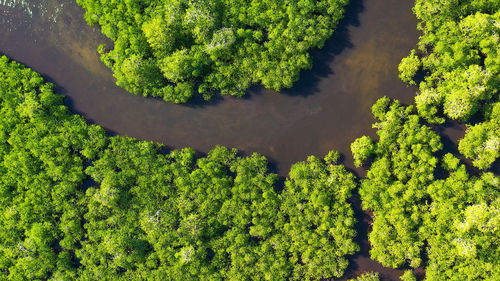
172 49
79 204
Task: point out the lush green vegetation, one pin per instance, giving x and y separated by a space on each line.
175 48
463 227
460 57
458 216
43 152
459 53
393 190
455 220
408 276
155 216
77 204
482 141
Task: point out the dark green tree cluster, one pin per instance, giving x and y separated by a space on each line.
174 48
459 53
76 204
455 220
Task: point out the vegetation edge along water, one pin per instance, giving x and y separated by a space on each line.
173 49
76 203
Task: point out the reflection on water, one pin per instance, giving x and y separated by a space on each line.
13 12
327 109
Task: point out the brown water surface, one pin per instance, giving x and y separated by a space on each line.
327 109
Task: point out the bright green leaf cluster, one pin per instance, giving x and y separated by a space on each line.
315 212
463 228
362 148
402 165
460 51
409 67
408 276
482 141
174 48
457 217
450 162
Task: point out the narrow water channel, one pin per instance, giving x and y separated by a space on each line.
327 109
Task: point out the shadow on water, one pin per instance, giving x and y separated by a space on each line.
197 101
322 59
68 100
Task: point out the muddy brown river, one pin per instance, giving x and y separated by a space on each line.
327 109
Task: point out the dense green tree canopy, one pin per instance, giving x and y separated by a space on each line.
220 220
456 217
408 276
463 227
43 150
482 141
76 204
460 56
402 165
174 48
316 217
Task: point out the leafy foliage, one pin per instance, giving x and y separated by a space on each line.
403 163
205 223
409 67
174 48
43 150
464 228
156 216
362 148
482 141
76 204
460 48
457 217
450 162
408 276
315 212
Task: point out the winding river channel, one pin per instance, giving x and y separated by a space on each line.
327 109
